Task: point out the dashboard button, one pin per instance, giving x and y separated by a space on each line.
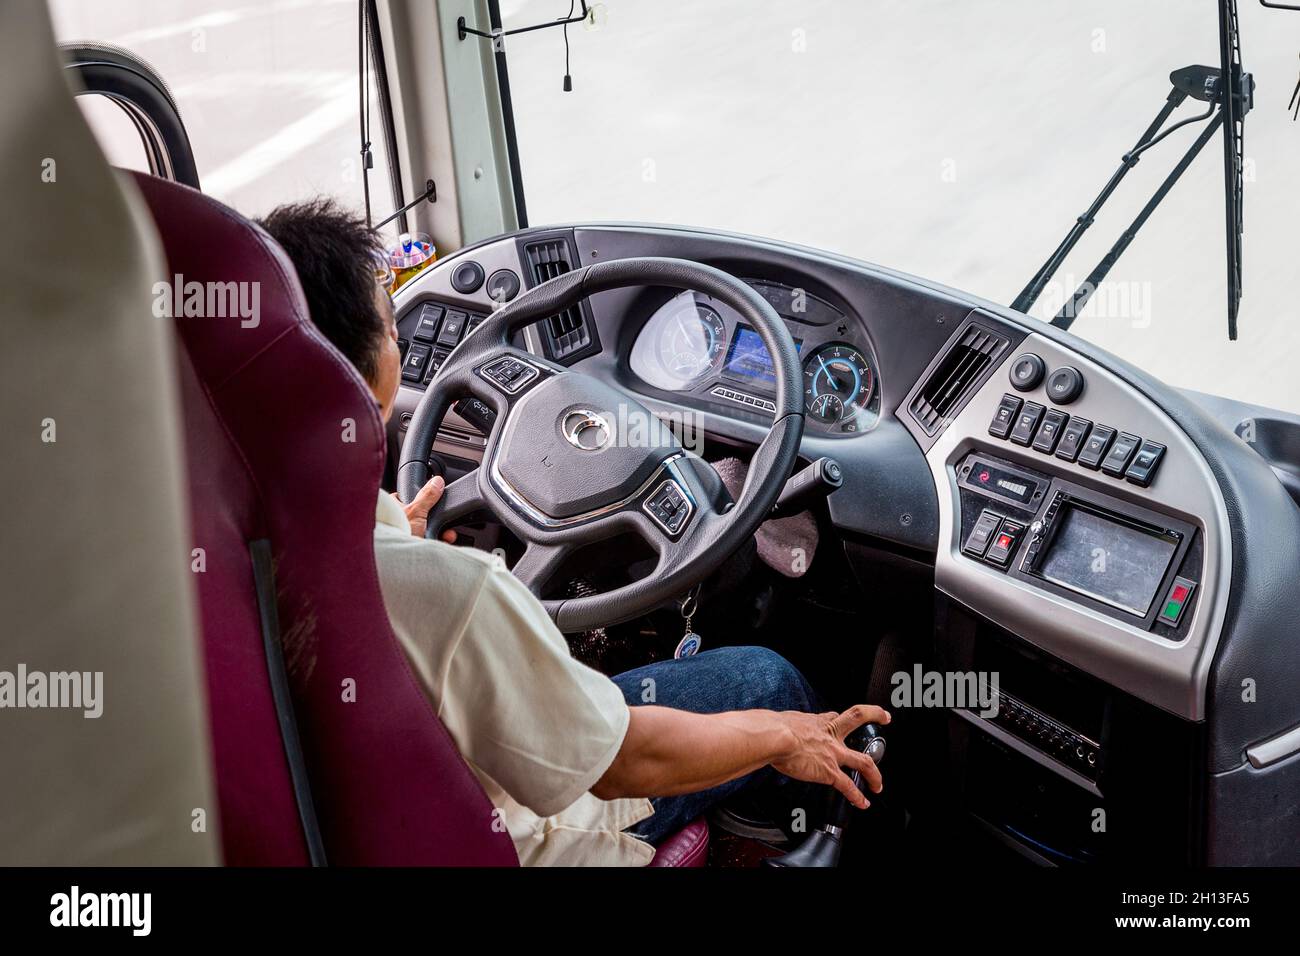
509 374
1004 543
978 541
1145 463
503 285
1065 385
669 507
1049 433
1027 423
1004 417
1175 601
1095 448
1073 436
452 327
467 277
413 367
1026 372
1120 453
427 327
436 362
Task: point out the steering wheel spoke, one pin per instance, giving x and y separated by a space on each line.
459 500
538 564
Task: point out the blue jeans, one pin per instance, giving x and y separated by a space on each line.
728 678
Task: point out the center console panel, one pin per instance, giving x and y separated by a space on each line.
1078 517
1128 562
1084 565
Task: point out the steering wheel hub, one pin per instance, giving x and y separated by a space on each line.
574 445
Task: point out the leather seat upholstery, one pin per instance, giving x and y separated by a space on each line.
284 442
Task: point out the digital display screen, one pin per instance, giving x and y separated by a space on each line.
748 357
1111 561
1000 481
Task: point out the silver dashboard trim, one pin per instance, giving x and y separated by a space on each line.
1170 675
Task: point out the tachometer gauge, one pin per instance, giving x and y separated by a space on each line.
827 409
838 385
691 341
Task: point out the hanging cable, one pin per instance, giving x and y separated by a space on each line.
363 68
568 80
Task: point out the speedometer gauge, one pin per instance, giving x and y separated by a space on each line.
691 340
838 385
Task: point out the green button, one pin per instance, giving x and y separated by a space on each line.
1171 610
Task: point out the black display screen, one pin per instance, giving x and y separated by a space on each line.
1116 562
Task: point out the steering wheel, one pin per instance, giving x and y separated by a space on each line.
572 460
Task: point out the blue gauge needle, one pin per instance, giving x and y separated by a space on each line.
829 377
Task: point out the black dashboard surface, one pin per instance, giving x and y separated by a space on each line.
890 497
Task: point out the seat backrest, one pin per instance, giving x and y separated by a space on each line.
285 443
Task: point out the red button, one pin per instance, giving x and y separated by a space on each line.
1004 541
1179 593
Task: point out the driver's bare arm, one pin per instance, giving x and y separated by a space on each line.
667 752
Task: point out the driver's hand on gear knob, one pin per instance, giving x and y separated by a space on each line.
417 512
817 752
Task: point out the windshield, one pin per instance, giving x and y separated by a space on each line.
957 141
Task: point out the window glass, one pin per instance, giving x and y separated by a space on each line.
957 141
268 92
115 132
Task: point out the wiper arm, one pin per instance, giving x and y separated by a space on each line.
1229 91
1198 82
1029 295
1070 310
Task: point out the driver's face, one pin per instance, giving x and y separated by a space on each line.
388 368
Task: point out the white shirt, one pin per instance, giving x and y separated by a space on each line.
537 727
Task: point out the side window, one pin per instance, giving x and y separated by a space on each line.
115 132
268 94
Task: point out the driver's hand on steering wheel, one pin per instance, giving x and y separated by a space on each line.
417 512
818 754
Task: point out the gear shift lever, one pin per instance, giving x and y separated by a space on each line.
823 846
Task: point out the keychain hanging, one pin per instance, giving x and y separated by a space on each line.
690 643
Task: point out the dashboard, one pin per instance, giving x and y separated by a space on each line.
1103 541
695 345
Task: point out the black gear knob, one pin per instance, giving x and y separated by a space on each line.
824 845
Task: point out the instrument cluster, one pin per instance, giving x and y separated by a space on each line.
696 344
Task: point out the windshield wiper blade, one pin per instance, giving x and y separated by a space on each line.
1237 100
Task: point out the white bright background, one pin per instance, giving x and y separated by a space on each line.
953 139
708 113
268 92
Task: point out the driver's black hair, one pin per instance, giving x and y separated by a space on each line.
333 252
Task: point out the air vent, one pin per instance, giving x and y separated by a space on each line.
565 332
954 379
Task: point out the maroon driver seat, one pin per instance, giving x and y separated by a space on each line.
285 446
